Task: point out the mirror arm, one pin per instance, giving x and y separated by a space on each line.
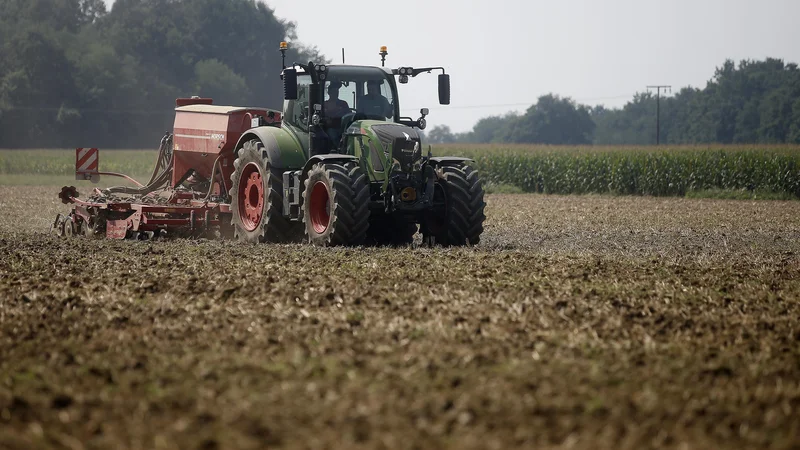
416 72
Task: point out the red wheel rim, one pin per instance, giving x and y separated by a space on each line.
251 197
319 207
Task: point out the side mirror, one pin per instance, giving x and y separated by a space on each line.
424 112
290 84
444 89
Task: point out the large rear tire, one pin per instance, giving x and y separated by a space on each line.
336 205
460 222
256 198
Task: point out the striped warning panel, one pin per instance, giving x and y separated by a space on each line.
86 160
86 164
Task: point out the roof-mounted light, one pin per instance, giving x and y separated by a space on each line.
283 47
383 54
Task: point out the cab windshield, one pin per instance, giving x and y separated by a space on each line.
366 93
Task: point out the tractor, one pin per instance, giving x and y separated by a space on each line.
338 165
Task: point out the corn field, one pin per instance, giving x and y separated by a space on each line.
636 171
659 171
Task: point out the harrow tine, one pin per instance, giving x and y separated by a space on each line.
57 227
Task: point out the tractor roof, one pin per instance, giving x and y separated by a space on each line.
350 69
216 109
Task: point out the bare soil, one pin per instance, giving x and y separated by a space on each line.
578 322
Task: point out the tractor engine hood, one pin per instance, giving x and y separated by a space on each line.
404 143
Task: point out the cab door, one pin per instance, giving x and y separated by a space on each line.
297 113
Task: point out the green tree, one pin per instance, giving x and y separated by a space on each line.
37 89
749 103
489 128
75 74
441 134
552 120
215 79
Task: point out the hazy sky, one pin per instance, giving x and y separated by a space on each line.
503 54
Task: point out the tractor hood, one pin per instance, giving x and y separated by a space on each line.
403 143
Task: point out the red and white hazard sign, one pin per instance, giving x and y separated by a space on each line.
87 161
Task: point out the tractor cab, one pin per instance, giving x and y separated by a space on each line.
321 102
357 93
329 99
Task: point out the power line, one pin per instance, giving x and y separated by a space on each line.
511 105
658 108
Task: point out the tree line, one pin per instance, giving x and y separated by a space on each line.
73 73
754 102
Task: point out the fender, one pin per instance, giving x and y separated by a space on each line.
283 151
330 157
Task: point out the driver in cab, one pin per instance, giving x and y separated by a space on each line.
335 109
374 104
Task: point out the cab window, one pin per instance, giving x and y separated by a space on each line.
347 91
297 112
372 104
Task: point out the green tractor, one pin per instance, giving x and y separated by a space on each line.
345 167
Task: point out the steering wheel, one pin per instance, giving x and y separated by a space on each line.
351 117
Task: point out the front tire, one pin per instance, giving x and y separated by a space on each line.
256 198
336 205
460 222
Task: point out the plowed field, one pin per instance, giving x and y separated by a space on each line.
578 322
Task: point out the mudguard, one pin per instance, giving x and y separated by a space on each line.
283 149
330 157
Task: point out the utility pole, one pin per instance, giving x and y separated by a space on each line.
658 108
